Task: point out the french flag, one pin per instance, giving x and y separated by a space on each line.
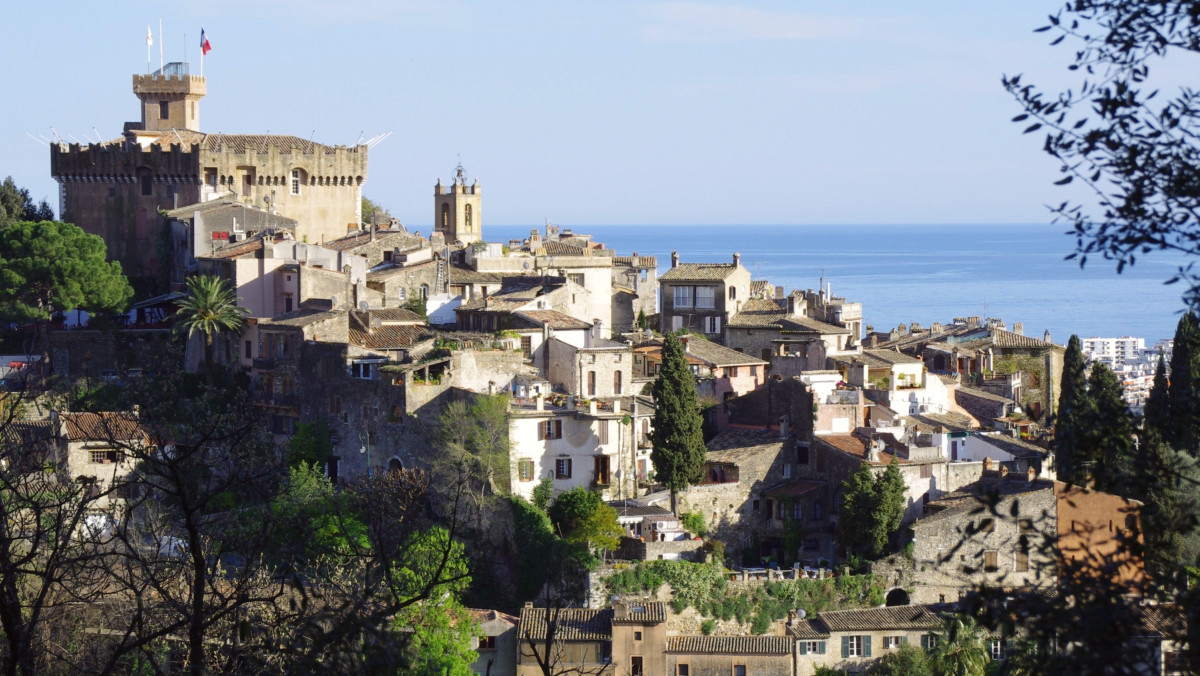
205 45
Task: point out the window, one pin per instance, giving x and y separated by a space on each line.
812 647
602 431
105 456
360 371
591 384
487 643
525 469
331 469
856 646
1021 562
445 216
576 277
248 349
787 470
739 670
705 298
295 181
423 291
562 468
929 641
616 382
682 670
683 296
712 324
147 182
210 177
892 642
817 512
635 666
987 525
676 324
926 471
733 372
997 649
467 216
991 561
637 635
797 511
550 429
801 454
755 505
164 110
527 346
811 545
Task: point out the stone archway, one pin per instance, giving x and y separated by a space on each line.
394 464
897 597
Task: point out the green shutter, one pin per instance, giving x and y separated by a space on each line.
821 648
866 646
924 641
804 647
845 647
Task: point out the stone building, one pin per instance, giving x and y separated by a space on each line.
721 373
199 230
634 290
780 329
598 368
163 161
729 655
1017 532
702 297
497 647
98 449
854 640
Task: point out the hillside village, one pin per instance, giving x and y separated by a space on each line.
360 334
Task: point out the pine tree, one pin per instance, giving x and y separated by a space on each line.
1184 386
1156 424
1106 438
1072 406
679 452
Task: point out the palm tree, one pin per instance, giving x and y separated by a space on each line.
209 308
962 648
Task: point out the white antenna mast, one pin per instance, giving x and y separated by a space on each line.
37 139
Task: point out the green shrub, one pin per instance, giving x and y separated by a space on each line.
693 522
707 626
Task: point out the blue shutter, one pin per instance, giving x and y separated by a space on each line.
845 647
924 641
866 646
821 648
804 647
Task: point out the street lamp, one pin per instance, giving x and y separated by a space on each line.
366 448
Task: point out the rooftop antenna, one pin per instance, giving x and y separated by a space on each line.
56 136
37 139
99 138
312 135
360 135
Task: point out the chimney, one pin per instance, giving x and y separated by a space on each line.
987 463
778 292
737 259
1030 474
1003 471
791 306
684 340
539 402
674 259
783 426
1019 328
1047 336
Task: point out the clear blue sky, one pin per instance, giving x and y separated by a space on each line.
607 112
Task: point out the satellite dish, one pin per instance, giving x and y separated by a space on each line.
802 613
267 199
525 266
363 305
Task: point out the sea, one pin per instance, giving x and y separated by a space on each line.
929 273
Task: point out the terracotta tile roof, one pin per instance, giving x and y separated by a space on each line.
396 314
258 143
481 615
719 355
636 261
639 612
847 443
809 630
630 508
385 273
758 287
386 337
237 249
867 619
25 433
731 645
1014 446
1002 338
1165 620
950 419
394 240
560 321
891 357
698 272
460 274
739 445
101 426
574 624
793 489
301 318
553 248
768 313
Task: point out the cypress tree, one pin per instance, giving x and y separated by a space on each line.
678 453
1106 436
1156 424
1163 474
1072 406
1184 386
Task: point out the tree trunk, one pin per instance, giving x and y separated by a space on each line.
208 358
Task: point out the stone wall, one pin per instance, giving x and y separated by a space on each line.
85 353
639 550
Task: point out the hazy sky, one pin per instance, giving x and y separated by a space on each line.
607 112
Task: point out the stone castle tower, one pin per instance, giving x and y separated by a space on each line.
458 213
115 189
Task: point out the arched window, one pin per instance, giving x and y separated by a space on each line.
424 290
445 216
468 217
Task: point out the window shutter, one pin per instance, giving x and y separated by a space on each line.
541 430
845 647
804 647
821 648
558 429
924 641
867 646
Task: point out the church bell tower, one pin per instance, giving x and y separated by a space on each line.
457 209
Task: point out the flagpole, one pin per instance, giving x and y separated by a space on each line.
149 39
160 45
